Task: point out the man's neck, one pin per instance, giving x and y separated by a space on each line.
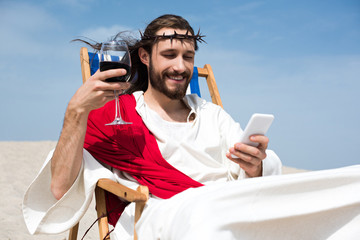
173 110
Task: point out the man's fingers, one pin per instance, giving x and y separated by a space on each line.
109 86
250 157
247 163
250 150
244 157
261 139
109 74
246 151
98 83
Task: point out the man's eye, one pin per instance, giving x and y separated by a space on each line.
169 55
189 57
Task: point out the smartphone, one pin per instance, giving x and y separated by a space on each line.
258 124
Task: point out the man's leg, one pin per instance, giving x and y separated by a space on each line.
312 205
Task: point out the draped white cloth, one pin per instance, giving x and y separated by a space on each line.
314 205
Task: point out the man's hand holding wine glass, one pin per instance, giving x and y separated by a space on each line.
96 92
68 155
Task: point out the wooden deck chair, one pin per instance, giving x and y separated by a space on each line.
89 65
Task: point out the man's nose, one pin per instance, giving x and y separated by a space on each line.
179 65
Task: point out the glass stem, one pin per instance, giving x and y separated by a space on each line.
117 105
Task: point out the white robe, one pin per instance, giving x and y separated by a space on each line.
200 153
312 205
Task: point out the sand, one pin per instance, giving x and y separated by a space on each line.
19 164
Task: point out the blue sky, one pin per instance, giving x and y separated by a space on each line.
299 60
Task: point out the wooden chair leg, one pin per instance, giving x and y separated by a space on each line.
101 210
139 207
73 232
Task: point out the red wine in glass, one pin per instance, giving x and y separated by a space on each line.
106 65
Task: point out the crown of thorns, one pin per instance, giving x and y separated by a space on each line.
198 37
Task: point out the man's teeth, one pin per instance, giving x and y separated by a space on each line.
176 78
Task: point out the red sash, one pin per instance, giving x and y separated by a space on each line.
132 149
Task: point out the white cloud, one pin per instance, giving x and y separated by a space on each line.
25 24
24 17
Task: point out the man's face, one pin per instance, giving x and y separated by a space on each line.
171 65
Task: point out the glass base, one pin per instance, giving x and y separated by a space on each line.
118 121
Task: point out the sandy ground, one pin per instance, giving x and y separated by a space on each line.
19 164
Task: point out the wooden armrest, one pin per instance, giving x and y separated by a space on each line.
122 191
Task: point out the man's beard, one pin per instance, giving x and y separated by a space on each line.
157 81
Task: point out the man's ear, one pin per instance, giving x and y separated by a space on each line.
144 56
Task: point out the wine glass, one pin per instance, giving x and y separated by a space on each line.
115 54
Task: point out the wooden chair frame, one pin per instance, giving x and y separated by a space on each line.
141 195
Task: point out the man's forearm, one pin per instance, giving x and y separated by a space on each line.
68 155
67 158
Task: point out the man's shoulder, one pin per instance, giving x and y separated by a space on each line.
197 102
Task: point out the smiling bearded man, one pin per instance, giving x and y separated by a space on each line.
157 81
179 74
